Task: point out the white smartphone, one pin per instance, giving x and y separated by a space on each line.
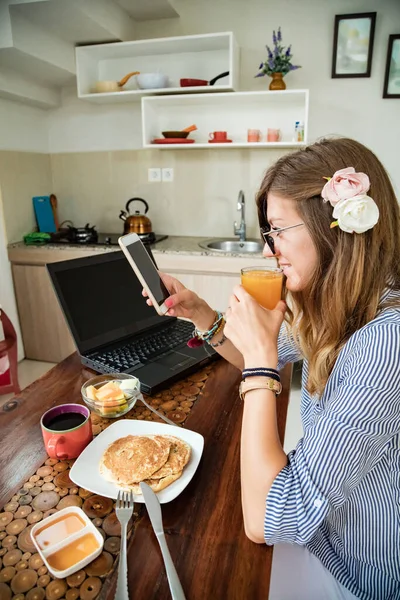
145 270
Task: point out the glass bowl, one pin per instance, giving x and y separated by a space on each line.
115 405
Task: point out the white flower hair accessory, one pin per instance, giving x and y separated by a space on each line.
353 209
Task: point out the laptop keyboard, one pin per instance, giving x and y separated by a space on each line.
143 350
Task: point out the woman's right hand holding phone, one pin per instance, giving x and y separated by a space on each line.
185 303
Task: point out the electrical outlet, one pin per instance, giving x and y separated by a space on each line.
168 174
154 175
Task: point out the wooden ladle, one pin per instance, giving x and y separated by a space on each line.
189 129
113 86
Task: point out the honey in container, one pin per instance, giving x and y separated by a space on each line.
73 552
67 541
59 530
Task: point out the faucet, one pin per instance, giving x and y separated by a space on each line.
241 230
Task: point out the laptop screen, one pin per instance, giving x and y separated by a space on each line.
101 298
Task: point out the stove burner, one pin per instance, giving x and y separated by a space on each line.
147 237
88 235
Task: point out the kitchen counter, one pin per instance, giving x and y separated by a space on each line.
212 275
172 245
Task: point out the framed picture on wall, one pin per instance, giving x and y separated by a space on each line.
353 43
391 87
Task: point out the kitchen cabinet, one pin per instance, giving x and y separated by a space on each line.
234 112
214 288
193 56
45 333
211 277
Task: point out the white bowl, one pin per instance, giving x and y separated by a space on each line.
149 81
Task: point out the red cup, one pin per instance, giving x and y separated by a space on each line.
219 136
66 430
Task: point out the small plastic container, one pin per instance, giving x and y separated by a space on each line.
112 408
67 541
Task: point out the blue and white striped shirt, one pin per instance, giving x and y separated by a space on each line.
339 494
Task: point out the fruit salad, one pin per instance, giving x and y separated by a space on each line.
112 397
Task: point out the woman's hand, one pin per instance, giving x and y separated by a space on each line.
254 330
185 303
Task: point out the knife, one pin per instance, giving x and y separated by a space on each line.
154 511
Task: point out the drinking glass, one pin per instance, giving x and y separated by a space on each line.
264 284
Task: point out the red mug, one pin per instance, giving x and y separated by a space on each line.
66 430
219 136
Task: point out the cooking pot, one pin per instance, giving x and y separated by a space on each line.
137 223
198 82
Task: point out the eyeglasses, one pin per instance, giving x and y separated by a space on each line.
267 232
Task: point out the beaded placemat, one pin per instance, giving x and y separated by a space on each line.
22 572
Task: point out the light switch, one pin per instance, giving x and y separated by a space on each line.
168 174
154 174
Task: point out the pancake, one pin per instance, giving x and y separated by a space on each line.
134 458
179 455
156 484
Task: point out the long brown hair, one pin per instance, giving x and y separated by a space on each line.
353 269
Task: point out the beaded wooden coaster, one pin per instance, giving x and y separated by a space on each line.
22 572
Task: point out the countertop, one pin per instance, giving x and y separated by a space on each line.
172 245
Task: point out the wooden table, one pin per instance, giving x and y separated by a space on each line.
204 525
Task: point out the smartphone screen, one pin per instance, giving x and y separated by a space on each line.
146 266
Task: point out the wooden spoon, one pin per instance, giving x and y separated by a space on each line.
189 129
125 79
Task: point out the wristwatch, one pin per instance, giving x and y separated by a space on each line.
264 383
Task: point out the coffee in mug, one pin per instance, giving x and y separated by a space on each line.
66 430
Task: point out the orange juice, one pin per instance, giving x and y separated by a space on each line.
264 284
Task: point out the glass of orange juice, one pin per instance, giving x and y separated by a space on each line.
264 284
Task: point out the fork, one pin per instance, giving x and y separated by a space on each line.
123 510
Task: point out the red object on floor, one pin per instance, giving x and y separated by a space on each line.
5 378
8 347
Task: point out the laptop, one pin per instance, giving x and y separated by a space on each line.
115 331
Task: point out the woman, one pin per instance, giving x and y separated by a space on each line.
329 215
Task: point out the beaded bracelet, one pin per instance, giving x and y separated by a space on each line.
261 372
220 342
199 337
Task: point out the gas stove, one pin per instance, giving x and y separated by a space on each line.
107 239
111 239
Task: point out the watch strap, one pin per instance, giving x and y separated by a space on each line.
266 383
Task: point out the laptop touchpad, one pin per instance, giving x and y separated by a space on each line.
176 360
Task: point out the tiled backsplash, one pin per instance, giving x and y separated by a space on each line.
94 186
202 200
22 176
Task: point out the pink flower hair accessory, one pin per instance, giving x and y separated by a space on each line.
345 184
353 209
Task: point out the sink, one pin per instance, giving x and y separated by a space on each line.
249 246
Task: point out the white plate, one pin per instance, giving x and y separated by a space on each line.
85 470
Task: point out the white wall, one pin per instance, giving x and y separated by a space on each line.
79 126
352 107
7 297
23 127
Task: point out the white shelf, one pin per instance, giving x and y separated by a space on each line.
232 145
196 56
232 112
